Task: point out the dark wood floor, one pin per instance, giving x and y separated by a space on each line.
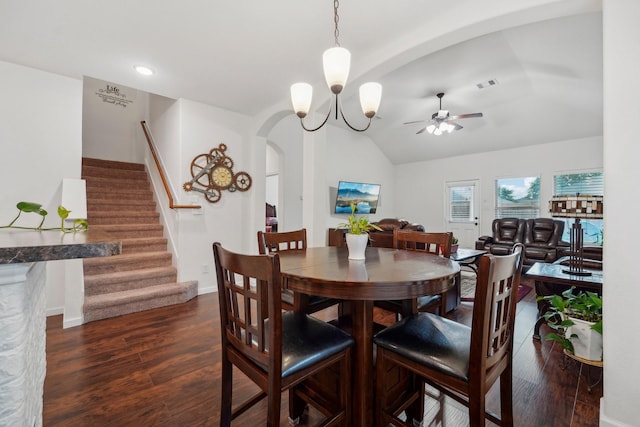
162 368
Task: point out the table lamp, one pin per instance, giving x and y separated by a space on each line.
576 206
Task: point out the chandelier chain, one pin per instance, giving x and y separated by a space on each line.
336 18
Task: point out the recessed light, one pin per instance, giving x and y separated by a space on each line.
144 70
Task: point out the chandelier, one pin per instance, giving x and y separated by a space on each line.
336 62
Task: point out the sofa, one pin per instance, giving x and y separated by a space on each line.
380 239
384 238
541 237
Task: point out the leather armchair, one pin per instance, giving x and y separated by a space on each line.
542 237
506 233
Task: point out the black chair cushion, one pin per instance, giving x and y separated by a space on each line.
423 302
287 296
432 341
306 340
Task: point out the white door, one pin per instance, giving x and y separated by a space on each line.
462 210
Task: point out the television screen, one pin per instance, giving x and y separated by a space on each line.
364 196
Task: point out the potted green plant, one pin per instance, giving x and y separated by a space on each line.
454 244
357 233
576 318
63 213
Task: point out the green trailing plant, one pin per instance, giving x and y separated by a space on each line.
454 240
584 305
63 213
356 225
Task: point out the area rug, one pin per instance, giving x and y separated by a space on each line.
468 287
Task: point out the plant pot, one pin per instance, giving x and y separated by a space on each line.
588 343
357 244
454 248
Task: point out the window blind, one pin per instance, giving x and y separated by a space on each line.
461 203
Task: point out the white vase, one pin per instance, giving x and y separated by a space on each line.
357 244
588 343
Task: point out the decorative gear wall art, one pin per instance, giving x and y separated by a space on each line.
212 173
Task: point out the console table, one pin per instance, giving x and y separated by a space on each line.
23 312
550 279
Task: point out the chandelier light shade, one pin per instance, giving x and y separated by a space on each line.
579 206
370 96
301 94
336 63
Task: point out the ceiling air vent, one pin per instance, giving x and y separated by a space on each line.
486 84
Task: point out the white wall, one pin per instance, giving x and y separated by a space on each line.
40 134
287 136
111 115
313 163
183 130
421 186
354 157
619 406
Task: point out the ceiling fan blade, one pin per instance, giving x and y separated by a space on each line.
415 121
455 126
465 116
421 130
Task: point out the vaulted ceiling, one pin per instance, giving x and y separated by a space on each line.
546 56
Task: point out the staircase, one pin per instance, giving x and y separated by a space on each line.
120 202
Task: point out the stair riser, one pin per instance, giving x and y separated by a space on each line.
136 249
116 193
96 308
111 164
117 265
94 184
97 205
99 287
99 172
115 219
130 232
91 315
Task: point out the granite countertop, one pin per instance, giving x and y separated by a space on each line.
18 246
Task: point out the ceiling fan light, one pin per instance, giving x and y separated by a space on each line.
437 131
450 127
336 63
301 94
370 96
431 128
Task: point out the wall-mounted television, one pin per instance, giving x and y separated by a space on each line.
364 196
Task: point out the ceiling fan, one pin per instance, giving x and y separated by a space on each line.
442 122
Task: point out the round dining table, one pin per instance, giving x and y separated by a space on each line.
385 274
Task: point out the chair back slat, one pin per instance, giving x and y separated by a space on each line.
249 299
434 243
282 241
494 309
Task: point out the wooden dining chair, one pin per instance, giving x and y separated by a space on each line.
277 350
462 362
284 241
434 243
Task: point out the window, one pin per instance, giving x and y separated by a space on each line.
518 197
461 203
583 183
